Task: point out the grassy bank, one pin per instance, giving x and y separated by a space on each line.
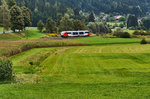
12 47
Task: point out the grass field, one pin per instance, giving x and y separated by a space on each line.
32 33
1 29
113 23
107 41
129 31
110 68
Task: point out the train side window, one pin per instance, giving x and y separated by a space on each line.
75 33
81 32
86 32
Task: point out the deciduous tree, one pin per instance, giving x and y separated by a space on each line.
50 25
66 23
17 20
4 16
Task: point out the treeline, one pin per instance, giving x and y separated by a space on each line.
63 23
42 9
13 16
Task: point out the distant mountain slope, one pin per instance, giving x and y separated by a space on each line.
42 9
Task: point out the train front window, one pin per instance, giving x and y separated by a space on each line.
68 32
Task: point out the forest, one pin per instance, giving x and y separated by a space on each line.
42 9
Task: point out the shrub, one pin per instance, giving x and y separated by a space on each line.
31 63
122 34
141 32
119 33
125 35
6 70
143 41
121 25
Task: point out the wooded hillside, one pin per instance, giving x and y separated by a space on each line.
42 9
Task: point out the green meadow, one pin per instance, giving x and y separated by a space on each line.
113 23
32 33
1 29
106 69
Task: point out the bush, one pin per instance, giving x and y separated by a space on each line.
125 35
6 70
143 41
119 33
121 25
141 32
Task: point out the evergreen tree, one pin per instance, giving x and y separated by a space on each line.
146 23
17 20
4 16
132 21
50 26
59 17
91 17
27 16
40 25
11 3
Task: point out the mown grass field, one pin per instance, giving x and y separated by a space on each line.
1 29
107 69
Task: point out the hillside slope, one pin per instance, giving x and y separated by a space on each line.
42 9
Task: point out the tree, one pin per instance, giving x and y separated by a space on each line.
99 28
103 28
132 21
17 20
40 25
50 26
27 16
146 22
5 16
11 3
137 11
92 26
79 25
66 24
91 17
70 12
59 17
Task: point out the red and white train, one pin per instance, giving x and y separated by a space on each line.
82 33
